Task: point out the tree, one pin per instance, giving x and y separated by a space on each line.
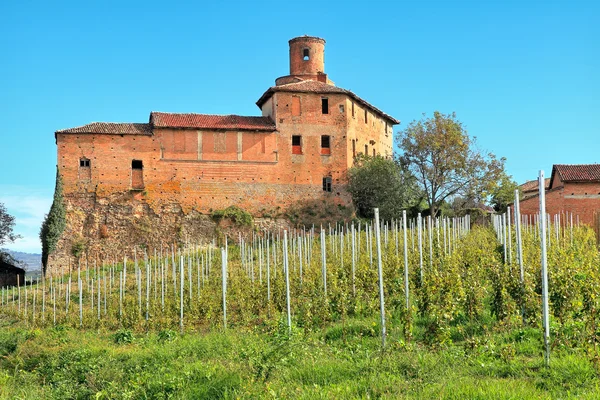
446 161
504 194
7 224
382 183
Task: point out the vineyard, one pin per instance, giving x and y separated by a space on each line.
442 284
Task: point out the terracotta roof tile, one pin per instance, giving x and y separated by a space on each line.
309 86
111 128
207 121
578 173
531 186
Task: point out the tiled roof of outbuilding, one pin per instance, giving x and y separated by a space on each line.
310 86
208 121
111 128
578 173
530 186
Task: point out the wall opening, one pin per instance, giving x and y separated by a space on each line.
353 147
352 109
327 184
296 144
305 54
325 145
374 153
366 149
325 105
137 174
85 171
366 117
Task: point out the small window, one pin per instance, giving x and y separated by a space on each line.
341 108
296 144
366 149
137 174
386 128
352 109
85 172
353 147
327 184
374 154
325 105
137 164
305 55
366 117
325 145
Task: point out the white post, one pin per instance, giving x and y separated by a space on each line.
420 238
287 280
323 262
353 260
405 258
224 284
519 247
545 313
380 272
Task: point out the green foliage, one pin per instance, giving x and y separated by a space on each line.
7 224
446 162
317 212
54 223
237 215
383 183
78 247
123 336
504 193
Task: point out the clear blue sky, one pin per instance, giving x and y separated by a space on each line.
523 76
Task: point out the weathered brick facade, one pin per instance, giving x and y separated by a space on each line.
300 148
572 190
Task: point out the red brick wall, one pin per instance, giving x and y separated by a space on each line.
580 199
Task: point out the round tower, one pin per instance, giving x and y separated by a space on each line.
307 55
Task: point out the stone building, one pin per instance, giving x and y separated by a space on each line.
162 176
570 190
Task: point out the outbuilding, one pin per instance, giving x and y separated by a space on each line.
11 275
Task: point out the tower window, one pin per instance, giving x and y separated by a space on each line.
341 108
352 109
353 147
137 174
374 153
137 164
325 105
365 116
305 55
85 172
325 145
327 184
296 144
366 149
386 128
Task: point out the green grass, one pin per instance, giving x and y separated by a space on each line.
342 361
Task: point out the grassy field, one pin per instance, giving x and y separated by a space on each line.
482 360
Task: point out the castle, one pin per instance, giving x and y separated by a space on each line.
133 182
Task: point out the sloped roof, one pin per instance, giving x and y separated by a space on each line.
578 172
111 128
209 121
4 266
530 186
310 86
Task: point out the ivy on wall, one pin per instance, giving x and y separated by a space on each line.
54 223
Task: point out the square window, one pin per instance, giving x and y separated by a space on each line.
341 108
84 162
137 164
